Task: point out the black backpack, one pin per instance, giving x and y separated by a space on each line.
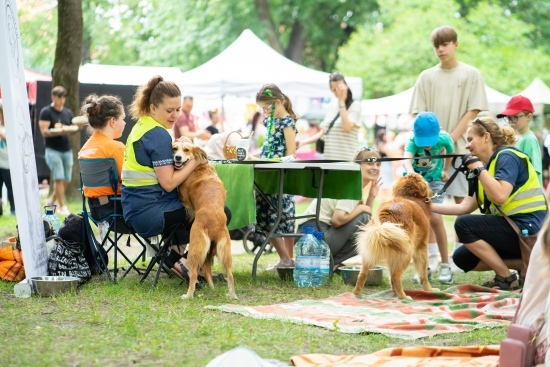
74 229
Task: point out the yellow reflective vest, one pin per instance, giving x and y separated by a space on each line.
133 173
527 199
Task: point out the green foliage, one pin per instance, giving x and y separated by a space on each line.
327 25
189 34
390 55
533 12
38 28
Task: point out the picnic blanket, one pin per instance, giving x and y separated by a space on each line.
457 309
474 356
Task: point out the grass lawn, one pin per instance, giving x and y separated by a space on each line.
132 324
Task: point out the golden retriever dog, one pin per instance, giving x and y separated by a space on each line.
203 194
397 233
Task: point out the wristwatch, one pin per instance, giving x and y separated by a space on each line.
342 106
476 171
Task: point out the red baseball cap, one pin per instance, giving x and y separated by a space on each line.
516 105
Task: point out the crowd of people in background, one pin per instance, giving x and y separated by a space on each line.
507 161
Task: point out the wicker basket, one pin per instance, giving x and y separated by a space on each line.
230 151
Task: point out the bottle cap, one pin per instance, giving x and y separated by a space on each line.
319 235
308 229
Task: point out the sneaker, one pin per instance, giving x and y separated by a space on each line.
433 261
445 274
281 264
416 277
455 269
64 210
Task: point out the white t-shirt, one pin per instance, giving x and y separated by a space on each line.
339 144
328 206
450 93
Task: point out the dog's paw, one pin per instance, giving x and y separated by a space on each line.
186 297
407 298
232 296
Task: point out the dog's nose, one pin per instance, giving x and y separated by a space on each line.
177 158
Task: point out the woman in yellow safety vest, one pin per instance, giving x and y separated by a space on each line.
149 180
506 181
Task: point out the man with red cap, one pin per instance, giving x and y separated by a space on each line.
519 113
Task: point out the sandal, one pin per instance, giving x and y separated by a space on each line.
216 278
504 284
185 275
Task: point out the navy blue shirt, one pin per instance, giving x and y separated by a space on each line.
144 206
514 170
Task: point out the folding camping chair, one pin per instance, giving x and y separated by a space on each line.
162 249
102 172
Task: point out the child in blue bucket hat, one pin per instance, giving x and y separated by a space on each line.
429 140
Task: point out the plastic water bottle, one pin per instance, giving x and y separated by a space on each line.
51 217
326 266
103 228
307 272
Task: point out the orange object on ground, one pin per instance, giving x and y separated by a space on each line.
422 356
11 264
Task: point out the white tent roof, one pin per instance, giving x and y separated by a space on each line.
125 75
248 63
538 92
400 103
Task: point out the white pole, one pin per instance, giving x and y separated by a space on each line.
20 148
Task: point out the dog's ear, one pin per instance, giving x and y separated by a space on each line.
412 185
200 155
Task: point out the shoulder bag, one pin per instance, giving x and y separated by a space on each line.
67 259
519 348
320 143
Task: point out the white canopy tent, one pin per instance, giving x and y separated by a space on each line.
247 64
400 103
539 94
125 75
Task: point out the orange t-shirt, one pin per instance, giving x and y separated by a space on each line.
100 146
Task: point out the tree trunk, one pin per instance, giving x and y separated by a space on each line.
265 15
68 53
296 44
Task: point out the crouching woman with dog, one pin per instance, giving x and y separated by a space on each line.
149 180
507 184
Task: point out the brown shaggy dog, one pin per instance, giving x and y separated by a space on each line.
398 232
203 194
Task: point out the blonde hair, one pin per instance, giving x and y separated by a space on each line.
366 153
153 93
500 136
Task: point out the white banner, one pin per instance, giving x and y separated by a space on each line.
20 144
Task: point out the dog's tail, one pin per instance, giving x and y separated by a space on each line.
375 241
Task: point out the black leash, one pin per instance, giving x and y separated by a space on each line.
458 167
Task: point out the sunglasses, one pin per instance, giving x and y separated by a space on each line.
370 159
266 109
513 119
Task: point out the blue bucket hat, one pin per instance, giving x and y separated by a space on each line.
426 129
